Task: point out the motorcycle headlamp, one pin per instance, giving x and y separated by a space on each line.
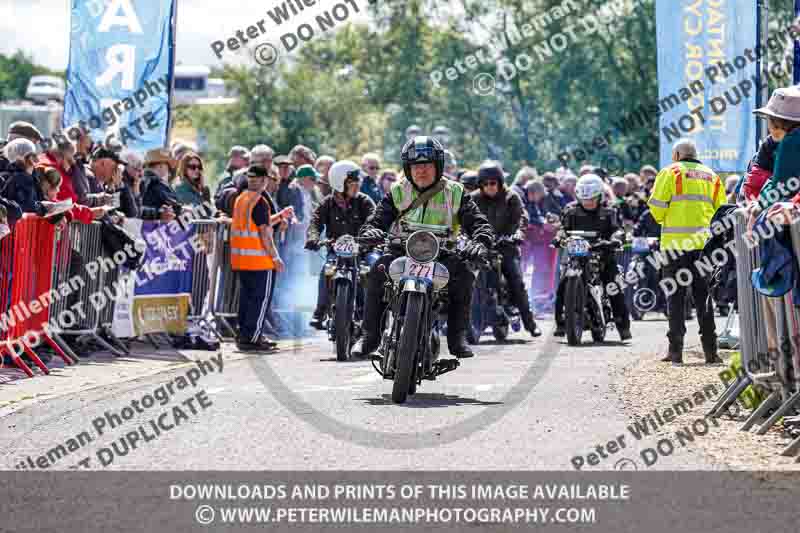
330 269
422 246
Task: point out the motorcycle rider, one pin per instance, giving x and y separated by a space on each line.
649 228
446 206
506 213
342 212
589 214
469 180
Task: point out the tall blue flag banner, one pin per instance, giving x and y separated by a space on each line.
707 79
119 78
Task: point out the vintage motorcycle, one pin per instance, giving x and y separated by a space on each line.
644 293
586 304
416 293
345 274
491 299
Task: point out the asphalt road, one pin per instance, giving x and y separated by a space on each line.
527 404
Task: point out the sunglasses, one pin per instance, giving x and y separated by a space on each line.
491 183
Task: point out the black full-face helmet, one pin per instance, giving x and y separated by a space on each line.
420 150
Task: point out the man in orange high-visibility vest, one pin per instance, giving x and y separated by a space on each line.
255 257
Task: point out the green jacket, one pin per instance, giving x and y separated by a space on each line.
779 188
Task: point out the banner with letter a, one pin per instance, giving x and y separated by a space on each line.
706 79
120 70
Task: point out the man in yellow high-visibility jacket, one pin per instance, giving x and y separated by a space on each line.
685 197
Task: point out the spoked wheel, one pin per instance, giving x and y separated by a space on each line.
343 322
407 349
574 304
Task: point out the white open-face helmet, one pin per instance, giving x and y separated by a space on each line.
589 186
339 173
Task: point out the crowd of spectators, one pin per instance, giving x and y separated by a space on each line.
102 180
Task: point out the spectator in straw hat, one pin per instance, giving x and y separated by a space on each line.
159 201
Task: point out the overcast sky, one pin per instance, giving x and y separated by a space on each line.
41 27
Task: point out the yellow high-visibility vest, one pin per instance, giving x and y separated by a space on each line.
685 197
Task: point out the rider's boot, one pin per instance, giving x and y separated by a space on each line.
457 345
318 318
624 332
366 345
530 324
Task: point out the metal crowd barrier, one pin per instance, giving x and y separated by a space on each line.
223 286
769 340
80 244
111 286
205 233
28 261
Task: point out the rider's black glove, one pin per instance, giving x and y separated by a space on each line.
312 245
373 235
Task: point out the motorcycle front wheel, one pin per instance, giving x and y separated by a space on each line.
407 348
342 321
575 301
500 332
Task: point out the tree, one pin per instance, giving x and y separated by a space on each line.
15 73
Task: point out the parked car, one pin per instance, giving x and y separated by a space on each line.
42 89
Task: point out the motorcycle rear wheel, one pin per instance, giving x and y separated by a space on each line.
574 304
407 348
343 322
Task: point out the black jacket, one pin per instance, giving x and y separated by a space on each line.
289 194
329 216
647 226
603 220
226 199
23 189
472 220
552 202
127 179
505 211
156 194
13 212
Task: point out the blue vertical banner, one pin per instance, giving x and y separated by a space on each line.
707 79
120 73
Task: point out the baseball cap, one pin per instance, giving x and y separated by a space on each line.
282 160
